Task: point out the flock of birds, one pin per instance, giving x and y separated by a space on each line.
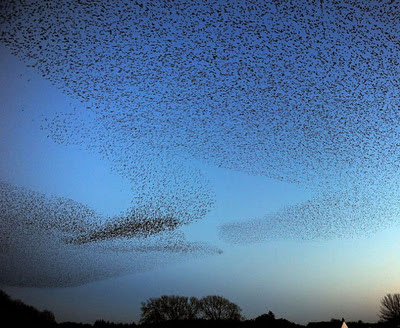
341 214
52 241
301 91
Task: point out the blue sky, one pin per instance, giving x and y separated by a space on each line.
310 262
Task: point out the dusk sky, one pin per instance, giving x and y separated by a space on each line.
248 149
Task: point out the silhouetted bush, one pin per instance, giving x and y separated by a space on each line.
269 320
108 324
266 318
69 324
197 323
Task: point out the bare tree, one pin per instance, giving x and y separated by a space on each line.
219 308
167 308
390 308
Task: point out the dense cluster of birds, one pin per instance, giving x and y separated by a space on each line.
300 91
52 241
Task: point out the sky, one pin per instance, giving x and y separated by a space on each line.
200 148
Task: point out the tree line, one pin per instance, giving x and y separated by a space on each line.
171 311
167 308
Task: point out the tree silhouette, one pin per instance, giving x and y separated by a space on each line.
20 314
172 308
390 308
167 308
219 308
